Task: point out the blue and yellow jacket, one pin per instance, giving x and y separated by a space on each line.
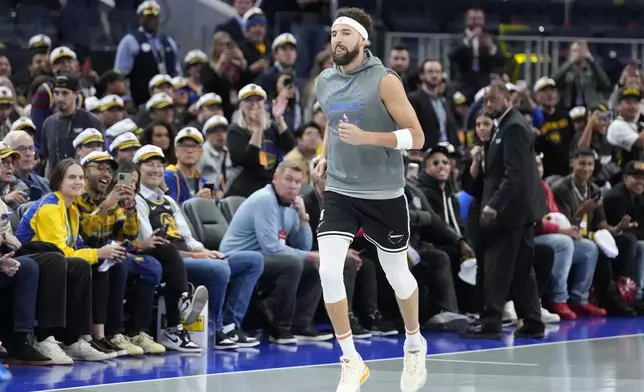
47 221
178 188
99 228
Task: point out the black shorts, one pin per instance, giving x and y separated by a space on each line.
385 222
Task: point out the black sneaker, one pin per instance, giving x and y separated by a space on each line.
23 351
178 339
282 336
237 336
311 334
379 326
223 342
107 344
357 330
479 331
98 346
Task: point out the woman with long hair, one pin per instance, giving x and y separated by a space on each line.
161 134
54 219
257 141
226 72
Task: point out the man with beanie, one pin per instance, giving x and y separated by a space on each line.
255 46
60 129
145 53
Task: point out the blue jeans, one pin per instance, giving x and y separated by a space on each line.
582 254
242 269
149 271
145 267
25 289
639 270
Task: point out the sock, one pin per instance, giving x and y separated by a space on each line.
346 344
413 338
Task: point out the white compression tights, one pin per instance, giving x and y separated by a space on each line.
398 274
333 253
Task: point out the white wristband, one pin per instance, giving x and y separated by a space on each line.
404 139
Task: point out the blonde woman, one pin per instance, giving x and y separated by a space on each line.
226 72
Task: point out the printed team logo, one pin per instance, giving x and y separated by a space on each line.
345 118
396 238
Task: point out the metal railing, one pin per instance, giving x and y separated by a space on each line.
534 56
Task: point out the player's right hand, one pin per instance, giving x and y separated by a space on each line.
320 169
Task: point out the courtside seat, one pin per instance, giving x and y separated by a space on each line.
207 223
229 206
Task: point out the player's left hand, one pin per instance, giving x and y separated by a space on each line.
351 134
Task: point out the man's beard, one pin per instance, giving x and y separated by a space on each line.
347 57
497 113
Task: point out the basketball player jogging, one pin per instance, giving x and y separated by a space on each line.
370 124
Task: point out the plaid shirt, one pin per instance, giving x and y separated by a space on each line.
99 228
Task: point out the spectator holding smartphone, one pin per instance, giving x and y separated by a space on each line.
108 215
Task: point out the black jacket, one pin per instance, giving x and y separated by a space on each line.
618 202
421 102
425 225
254 176
434 194
233 28
511 183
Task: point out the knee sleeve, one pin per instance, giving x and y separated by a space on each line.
333 252
398 274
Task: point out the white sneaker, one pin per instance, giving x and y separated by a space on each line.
83 351
549 318
123 343
51 349
414 374
148 344
354 373
509 314
178 339
190 306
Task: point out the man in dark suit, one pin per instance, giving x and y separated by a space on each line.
476 56
511 190
434 116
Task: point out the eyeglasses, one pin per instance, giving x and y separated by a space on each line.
25 149
188 146
7 163
439 162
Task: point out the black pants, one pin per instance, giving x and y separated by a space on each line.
434 273
176 283
108 292
66 301
295 291
362 292
544 259
608 269
509 257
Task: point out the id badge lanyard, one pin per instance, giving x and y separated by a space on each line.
158 53
281 235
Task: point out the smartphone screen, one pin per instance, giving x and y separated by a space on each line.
209 186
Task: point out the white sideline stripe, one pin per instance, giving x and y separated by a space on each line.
482 362
334 363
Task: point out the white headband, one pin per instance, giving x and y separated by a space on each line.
353 23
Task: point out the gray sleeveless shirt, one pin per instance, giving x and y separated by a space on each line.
366 172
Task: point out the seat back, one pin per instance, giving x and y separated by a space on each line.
306 188
207 223
229 205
